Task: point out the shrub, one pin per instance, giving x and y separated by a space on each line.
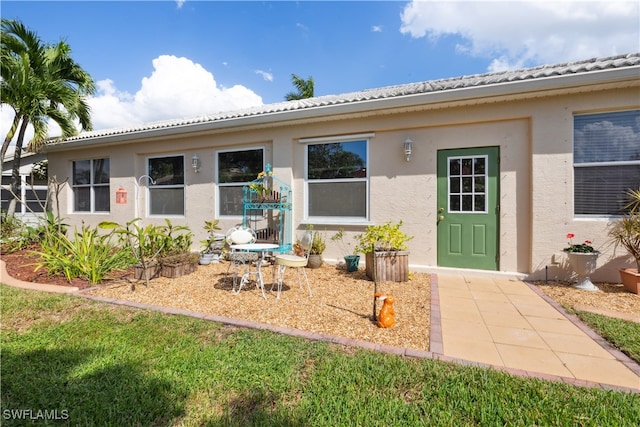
385 237
88 255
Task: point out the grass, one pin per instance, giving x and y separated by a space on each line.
622 334
97 364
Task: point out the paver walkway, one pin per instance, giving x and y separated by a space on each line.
509 324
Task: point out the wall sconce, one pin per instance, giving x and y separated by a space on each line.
195 163
408 149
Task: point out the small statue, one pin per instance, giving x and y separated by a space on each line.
385 318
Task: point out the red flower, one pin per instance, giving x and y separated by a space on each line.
570 235
588 242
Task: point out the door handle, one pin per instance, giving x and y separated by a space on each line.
441 218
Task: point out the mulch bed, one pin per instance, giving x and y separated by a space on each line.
612 297
22 265
341 305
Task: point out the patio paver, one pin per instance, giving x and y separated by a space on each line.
510 325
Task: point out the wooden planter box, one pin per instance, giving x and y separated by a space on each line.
174 270
179 265
153 271
391 266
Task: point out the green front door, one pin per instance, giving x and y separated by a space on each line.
468 208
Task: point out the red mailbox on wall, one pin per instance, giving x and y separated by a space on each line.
121 196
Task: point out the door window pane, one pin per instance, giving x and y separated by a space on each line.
467 184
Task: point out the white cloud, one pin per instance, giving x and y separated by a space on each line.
376 28
179 3
522 33
176 88
265 75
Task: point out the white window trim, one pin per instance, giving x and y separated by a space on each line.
149 186
21 207
235 184
597 217
337 220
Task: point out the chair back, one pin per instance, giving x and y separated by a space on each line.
240 235
306 242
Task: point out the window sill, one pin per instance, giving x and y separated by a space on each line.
336 221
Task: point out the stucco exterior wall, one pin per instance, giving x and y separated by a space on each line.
535 138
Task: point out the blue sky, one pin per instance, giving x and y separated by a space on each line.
167 59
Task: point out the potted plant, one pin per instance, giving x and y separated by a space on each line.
262 186
351 258
625 232
145 243
583 260
388 244
213 244
177 259
318 246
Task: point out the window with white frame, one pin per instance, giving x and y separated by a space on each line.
337 180
606 161
235 170
90 185
32 194
166 191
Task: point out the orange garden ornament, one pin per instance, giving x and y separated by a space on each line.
385 318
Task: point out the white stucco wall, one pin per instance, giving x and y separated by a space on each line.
535 137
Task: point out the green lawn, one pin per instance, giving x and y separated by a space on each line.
622 334
96 364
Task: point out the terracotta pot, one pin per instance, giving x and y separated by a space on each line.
584 264
630 279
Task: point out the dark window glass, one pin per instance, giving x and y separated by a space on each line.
337 160
235 170
337 179
91 185
240 166
606 156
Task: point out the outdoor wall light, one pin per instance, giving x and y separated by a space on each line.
408 149
195 163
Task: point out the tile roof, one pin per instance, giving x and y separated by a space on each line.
397 91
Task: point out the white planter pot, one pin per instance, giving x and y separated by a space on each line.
584 264
206 259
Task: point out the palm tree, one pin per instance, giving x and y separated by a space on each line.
304 87
40 83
